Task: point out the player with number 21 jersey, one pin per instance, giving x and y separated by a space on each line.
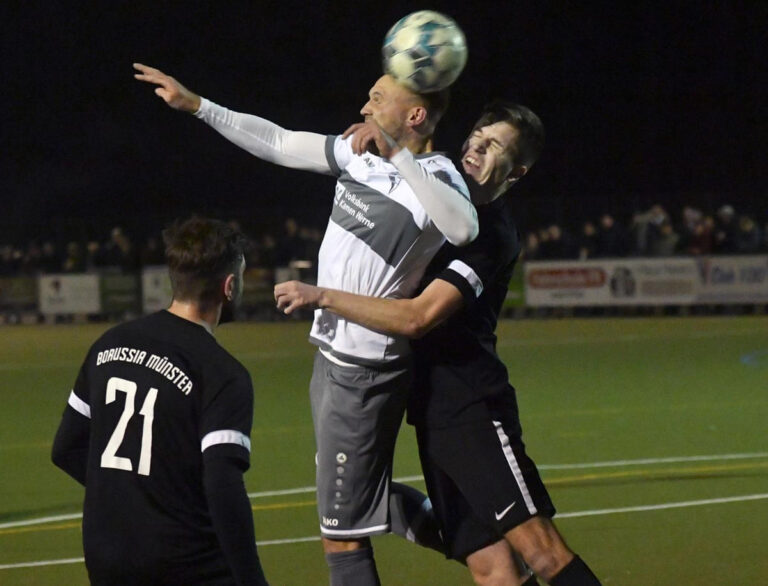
158 392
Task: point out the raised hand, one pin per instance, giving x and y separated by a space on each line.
369 136
293 295
171 91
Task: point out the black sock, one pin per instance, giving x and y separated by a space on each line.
353 568
411 517
575 573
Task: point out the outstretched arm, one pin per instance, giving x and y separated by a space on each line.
260 137
412 318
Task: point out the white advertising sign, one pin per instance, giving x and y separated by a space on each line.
733 279
65 294
611 282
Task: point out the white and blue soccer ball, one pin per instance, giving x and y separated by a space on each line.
425 51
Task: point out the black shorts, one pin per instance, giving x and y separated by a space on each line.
480 481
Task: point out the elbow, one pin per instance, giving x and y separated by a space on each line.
56 456
59 453
416 328
464 236
61 458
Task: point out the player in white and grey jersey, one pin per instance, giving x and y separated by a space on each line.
394 206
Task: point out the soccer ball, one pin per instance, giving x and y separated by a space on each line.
425 51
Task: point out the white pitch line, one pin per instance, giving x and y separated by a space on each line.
419 477
43 563
662 506
575 514
642 462
577 466
40 520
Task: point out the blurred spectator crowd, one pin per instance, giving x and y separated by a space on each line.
119 253
651 233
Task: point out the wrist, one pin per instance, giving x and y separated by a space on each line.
324 298
196 103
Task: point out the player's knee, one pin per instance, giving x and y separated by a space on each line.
493 566
489 576
547 564
541 546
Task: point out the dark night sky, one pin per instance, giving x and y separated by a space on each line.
642 102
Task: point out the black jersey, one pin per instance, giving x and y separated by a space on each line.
457 367
159 392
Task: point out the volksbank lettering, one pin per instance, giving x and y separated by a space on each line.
342 194
363 211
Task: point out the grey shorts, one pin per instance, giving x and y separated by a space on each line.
357 413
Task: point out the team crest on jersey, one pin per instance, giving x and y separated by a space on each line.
394 181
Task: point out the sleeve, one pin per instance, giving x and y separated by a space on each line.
226 419
447 203
338 153
266 140
232 518
70 446
470 268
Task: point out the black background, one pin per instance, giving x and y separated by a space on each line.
643 102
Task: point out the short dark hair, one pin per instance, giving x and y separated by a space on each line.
530 140
200 253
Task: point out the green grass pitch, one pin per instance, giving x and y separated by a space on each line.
652 435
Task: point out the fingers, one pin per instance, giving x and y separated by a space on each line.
352 129
147 73
362 137
283 303
152 75
145 68
286 297
363 134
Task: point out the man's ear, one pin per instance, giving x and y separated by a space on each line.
228 287
516 173
417 116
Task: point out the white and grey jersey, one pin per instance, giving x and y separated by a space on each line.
378 242
388 219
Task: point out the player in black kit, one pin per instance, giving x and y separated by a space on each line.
487 493
157 428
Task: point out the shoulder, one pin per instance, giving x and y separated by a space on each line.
497 225
221 365
439 165
124 330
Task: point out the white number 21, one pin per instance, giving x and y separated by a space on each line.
109 459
